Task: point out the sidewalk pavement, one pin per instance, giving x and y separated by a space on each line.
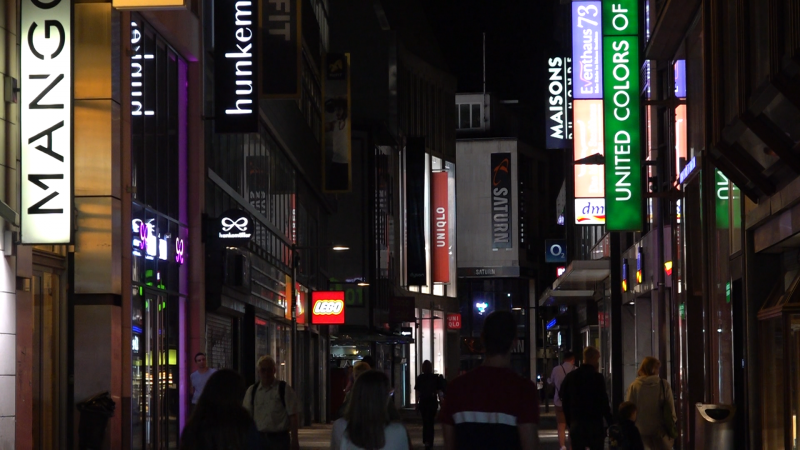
318 436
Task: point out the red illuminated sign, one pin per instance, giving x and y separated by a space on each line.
454 321
440 225
327 308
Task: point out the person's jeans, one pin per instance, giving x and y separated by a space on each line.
587 435
428 410
276 441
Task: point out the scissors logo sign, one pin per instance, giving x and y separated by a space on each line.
235 227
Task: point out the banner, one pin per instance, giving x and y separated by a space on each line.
441 228
502 231
235 75
46 122
336 143
559 103
622 126
587 58
416 266
281 48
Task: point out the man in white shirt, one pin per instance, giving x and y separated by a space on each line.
199 377
556 378
274 408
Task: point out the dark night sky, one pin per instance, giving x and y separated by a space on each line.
517 37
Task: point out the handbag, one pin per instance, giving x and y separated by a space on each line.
670 429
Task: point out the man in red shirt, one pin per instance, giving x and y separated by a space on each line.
491 406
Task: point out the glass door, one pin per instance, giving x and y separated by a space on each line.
154 397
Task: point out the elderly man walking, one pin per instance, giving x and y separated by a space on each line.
274 408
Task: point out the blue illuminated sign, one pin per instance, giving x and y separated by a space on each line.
551 324
481 306
687 169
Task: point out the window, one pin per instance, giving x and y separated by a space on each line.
469 115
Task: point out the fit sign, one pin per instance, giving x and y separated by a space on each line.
622 136
235 77
46 122
327 308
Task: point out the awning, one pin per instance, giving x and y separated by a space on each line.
577 283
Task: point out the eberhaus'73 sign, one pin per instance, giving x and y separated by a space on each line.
622 135
45 122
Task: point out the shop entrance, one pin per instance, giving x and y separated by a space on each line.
154 348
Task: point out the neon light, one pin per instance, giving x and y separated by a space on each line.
551 324
481 307
162 249
668 268
560 271
137 72
639 264
687 170
136 329
624 276
179 249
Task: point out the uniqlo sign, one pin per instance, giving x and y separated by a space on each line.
327 308
454 321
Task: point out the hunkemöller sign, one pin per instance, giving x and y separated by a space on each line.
46 122
235 76
622 127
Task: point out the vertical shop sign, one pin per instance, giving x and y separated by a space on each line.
588 182
721 199
559 103
587 71
622 134
46 122
336 144
502 226
235 74
441 226
416 265
281 48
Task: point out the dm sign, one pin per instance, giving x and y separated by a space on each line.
622 136
46 121
327 308
234 228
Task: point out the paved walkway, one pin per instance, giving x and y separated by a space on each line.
318 436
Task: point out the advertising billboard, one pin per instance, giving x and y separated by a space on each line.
235 75
416 265
558 120
502 231
622 125
327 308
281 48
440 225
587 58
46 122
336 144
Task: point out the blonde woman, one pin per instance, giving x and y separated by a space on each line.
366 424
649 392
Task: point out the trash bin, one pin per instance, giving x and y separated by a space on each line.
714 426
95 412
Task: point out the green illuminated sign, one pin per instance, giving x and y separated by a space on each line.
621 18
622 134
721 199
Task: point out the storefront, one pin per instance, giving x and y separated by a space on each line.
158 236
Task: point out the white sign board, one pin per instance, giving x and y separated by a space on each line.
46 121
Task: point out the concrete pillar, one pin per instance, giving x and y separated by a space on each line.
97 287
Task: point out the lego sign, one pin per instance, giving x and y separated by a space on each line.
454 321
327 308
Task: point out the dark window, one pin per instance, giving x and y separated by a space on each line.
476 115
463 112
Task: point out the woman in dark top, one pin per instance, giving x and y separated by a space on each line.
219 422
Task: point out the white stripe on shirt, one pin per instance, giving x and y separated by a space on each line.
484 417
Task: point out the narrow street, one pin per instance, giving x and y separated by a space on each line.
318 436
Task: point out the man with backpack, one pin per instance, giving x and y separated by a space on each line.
274 408
556 378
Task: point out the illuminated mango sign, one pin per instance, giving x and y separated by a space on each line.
327 308
622 127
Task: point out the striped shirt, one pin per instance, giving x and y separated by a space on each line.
485 406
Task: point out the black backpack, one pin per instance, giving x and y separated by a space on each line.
281 391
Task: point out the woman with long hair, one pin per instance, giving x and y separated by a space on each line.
219 422
653 396
367 424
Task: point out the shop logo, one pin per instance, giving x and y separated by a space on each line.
235 227
240 223
328 308
481 307
454 321
590 211
179 249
